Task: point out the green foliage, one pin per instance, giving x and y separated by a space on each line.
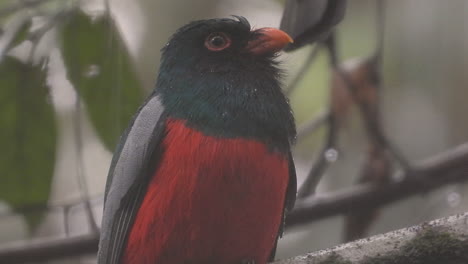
100 69
27 136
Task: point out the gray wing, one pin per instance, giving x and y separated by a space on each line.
307 21
131 166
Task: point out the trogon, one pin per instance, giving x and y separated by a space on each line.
204 173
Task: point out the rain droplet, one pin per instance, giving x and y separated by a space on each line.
331 155
224 114
399 176
454 199
92 71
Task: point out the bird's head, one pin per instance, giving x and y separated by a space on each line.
220 45
221 76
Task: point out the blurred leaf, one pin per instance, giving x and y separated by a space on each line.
100 68
27 136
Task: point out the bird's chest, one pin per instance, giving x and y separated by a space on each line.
211 200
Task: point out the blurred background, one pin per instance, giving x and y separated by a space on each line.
70 81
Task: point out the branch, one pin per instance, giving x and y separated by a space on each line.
440 241
445 168
20 4
312 125
321 162
47 249
8 36
80 171
380 31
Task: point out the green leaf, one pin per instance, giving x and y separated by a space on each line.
27 136
100 68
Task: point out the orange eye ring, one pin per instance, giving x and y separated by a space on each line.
217 41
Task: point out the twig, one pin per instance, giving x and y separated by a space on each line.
374 129
310 59
20 4
321 163
40 207
47 249
80 171
54 19
433 173
378 167
312 125
380 32
66 223
9 35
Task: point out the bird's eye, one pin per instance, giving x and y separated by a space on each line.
217 41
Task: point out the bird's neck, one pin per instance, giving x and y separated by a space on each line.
231 104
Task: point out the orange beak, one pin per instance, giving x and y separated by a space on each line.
268 41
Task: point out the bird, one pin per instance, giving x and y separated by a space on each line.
204 171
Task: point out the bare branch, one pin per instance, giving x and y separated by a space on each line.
445 168
380 31
321 162
52 21
9 35
372 126
440 241
20 4
47 249
80 171
312 125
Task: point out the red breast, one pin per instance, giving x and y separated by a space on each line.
211 200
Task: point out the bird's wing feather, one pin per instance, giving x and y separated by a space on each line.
289 201
130 169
